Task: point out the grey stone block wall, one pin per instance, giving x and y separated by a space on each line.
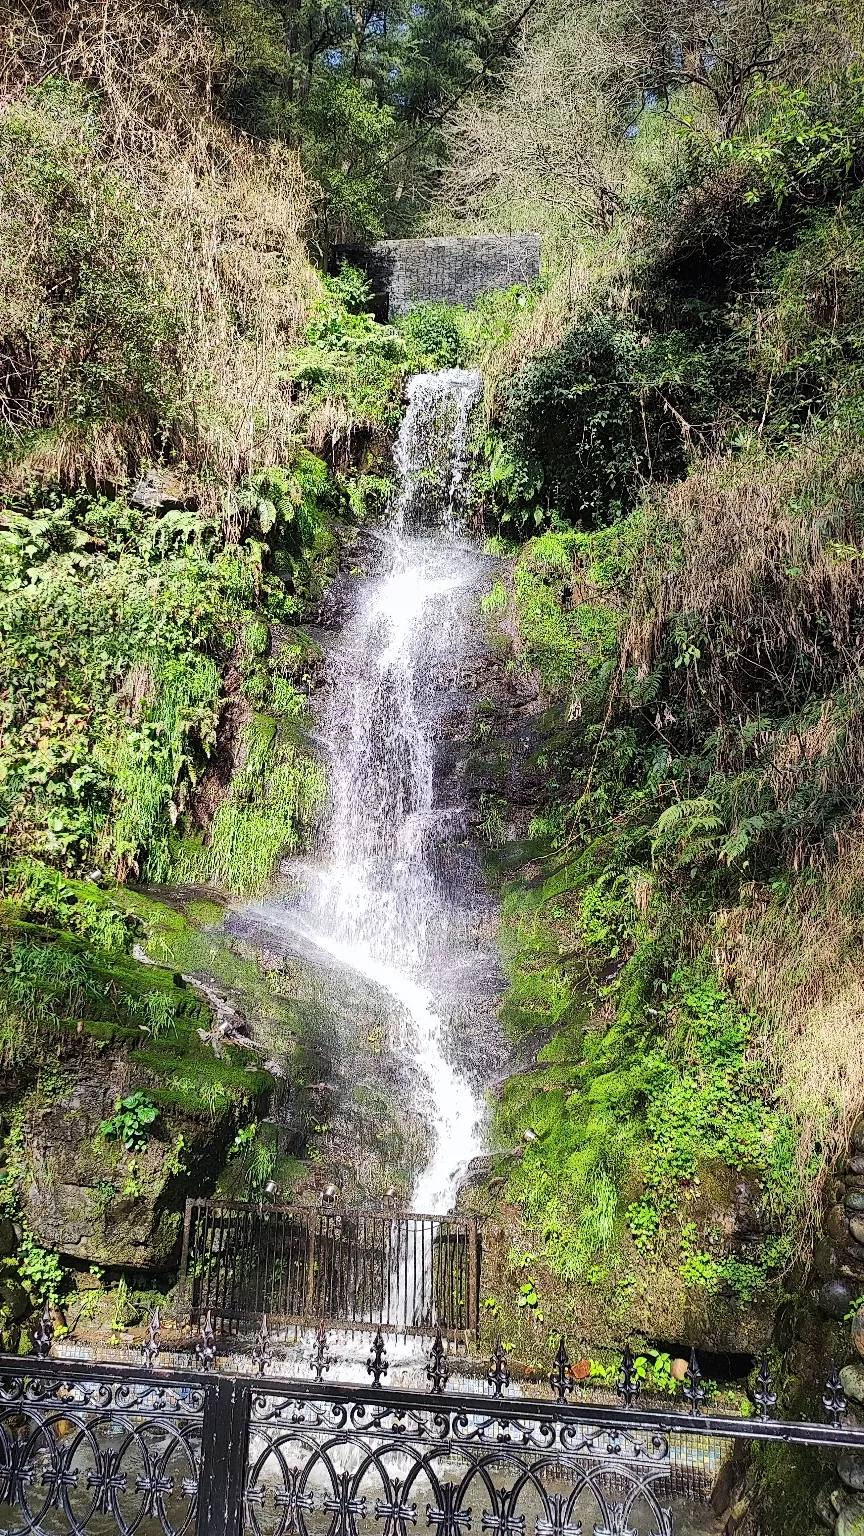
451 269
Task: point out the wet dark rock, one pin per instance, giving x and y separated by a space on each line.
835 1298
480 1185
836 1223
8 1239
854 1200
855 1163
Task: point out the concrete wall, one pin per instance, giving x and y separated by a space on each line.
452 270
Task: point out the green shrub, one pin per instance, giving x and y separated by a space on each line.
584 424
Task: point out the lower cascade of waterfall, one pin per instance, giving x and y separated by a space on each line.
379 901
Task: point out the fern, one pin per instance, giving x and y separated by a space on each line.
689 827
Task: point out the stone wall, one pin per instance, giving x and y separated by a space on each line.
451 270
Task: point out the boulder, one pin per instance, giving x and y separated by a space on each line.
852 1382
850 1470
836 1297
854 1200
91 1199
8 1238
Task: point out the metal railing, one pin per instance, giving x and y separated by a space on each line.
107 1450
408 1274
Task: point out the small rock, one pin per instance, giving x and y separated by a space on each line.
14 1301
856 1227
855 1163
858 1331
850 1521
854 1200
158 488
835 1223
679 1368
852 1382
850 1470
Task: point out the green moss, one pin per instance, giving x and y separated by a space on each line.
60 984
174 940
204 914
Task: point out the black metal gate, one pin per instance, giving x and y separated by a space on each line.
405 1274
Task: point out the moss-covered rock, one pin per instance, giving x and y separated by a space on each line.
87 1196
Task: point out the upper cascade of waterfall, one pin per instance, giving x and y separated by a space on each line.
431 452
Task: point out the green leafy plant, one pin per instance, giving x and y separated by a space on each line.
133 1115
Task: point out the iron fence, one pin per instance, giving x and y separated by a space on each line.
406 1274
107 1450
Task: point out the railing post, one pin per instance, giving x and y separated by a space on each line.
225 1444
474 1280
184 1298
310 1263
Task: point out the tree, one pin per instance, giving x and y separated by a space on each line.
361 89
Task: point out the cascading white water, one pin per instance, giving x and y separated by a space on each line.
372 901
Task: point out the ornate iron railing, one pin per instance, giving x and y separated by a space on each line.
104 1450
405 1274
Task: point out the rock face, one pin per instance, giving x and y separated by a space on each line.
87 1197
839 1257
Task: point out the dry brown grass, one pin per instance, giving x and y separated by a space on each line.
762 559
801 964
227 221
767 545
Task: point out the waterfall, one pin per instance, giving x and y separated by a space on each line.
373 900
